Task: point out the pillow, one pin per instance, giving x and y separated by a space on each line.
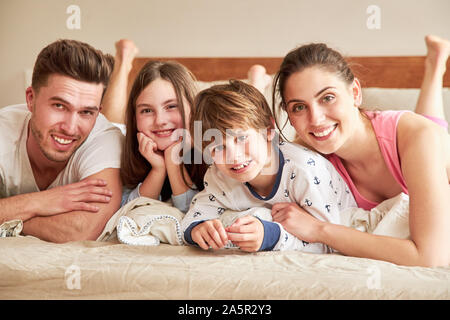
398 99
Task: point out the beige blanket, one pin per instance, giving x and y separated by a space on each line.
146 221
34 269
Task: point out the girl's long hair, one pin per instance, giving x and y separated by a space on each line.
134 167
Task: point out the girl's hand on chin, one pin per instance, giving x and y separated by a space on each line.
149 150
172 152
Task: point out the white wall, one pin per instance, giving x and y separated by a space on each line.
213 28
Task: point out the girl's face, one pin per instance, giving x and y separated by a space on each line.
243 154
321 108
158 113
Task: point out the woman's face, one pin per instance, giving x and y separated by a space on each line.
158 113
321 108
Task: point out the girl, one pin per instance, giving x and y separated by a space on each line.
159 105
379 154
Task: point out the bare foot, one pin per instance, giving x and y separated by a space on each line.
438 50
126 51
258 77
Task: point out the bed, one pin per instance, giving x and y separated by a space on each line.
34 269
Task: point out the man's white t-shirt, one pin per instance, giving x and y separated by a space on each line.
102 149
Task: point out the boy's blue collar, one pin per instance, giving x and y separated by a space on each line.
277 181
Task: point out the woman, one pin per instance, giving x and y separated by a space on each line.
380 154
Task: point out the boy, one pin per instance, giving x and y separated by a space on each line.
250 170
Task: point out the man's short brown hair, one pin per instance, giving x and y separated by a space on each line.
74 59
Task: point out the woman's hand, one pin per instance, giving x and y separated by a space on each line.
297 221
149 150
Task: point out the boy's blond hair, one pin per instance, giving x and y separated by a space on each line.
232 105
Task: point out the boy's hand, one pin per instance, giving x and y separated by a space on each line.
209 233
247 233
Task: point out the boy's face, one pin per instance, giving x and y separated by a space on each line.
63 114
242 154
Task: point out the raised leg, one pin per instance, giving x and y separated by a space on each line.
430 102
258 77
116 96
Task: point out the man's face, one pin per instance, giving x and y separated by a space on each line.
63 114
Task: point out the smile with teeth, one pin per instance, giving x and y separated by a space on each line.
242 165
61 140
324 132
163 132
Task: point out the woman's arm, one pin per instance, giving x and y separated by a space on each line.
423 149
348 241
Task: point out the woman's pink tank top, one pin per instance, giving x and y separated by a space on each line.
385 127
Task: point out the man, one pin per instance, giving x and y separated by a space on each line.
60 159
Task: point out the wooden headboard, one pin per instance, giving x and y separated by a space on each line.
381 72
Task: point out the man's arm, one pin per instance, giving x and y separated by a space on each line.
71 197
22 207
79 225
